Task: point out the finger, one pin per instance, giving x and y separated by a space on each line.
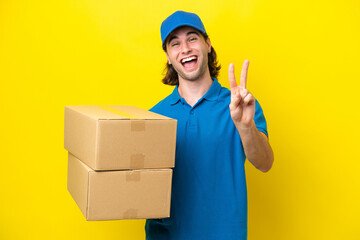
244 92
235 99
235 93
244 70
235 102
249 99
232 79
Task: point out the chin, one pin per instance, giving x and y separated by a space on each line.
191 77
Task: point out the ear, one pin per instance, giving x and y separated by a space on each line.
208 42
167 56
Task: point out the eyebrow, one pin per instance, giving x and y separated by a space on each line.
187 34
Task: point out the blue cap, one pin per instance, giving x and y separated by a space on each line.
178 19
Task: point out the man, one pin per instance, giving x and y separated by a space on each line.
217 130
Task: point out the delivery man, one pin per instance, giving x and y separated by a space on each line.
217 130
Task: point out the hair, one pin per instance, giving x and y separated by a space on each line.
171 76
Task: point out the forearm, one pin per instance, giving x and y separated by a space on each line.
256 146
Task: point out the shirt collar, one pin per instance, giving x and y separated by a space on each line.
175 97
211 95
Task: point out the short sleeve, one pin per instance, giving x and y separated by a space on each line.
158 108
259 119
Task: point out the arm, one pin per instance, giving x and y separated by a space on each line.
242 109
256 146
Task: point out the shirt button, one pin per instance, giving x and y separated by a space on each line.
192 113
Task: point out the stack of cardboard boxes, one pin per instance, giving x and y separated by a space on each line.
120 160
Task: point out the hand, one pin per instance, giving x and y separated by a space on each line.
242 105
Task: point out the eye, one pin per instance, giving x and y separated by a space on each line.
174 44
192 39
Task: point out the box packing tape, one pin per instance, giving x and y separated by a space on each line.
137 161
130 213
136 125
118 112
133 176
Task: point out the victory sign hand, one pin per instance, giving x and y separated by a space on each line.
242 105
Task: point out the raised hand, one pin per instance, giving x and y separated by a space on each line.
242 105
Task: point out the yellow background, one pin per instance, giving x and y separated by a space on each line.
304 70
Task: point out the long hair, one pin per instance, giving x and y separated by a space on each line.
171 76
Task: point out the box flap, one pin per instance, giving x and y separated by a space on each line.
138 112
116 112
96 112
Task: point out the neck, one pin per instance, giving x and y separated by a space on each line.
193 90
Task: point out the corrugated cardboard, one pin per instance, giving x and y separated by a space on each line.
110 195
120 137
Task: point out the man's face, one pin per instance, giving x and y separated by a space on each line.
187 51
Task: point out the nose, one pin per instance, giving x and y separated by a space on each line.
185 48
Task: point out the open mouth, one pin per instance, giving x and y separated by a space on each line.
189 62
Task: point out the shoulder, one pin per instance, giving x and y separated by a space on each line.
224 92
224 95
161 106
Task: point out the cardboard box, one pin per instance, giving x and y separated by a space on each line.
120 137
110 195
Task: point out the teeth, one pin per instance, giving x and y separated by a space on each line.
188 59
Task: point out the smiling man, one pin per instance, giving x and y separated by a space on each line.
217 130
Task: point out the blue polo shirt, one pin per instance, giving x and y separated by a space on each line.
209 199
